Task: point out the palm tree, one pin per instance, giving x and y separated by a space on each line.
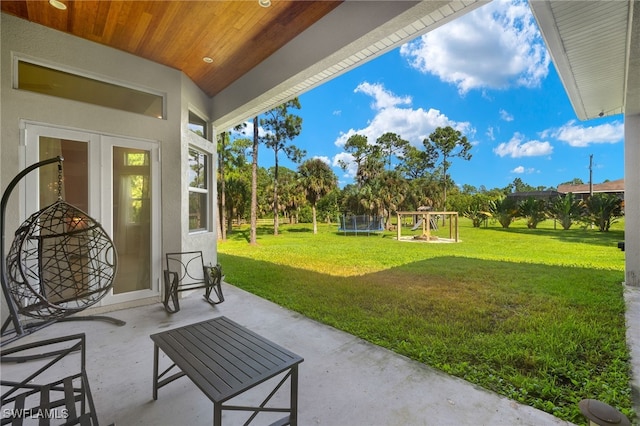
535 211
392 188
566 209
603 209
504 210
318 180
477 210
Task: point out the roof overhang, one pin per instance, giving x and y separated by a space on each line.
595 46
350 35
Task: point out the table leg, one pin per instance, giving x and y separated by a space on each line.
294 396
155 371
217 414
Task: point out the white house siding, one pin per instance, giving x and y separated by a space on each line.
32 41
632 199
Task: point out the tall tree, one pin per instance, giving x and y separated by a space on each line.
391 144
223 144
574 181
231 155
368 158
518 185
416 163
318 180
280 127
291 194
448 143
254 185
392 190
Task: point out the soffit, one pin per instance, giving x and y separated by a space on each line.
590 43
237 35
353 33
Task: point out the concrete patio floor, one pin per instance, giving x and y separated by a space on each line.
343 379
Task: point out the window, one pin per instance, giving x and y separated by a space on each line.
54 82
198 190
197 125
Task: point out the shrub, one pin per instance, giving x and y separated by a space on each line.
567 210
477 210
504 210
535 211
603 210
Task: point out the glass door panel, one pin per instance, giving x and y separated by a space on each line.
132 218
72 184
75 172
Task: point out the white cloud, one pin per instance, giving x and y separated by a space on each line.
504 115
382 97
517 148
352 167
490 133
521 170
322 158
411 124
247 131
581 136
495 46
337 112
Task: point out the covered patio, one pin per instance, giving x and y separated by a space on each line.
343 379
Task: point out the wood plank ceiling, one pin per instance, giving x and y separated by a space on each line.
237 35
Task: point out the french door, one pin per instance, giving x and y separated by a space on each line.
116 181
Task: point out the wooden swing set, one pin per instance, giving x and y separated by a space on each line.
428 218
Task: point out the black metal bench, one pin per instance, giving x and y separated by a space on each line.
186 271
48 393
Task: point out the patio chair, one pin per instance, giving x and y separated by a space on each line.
54 391
186 271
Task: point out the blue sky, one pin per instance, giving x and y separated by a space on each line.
487 74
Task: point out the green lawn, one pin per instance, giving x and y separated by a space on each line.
534 314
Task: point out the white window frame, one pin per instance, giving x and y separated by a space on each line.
195 190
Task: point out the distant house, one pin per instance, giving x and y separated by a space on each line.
538 195
582 191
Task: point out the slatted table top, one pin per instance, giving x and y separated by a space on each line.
224 358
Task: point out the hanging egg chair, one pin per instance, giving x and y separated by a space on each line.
61 261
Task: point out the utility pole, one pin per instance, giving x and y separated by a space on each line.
591 175
591 181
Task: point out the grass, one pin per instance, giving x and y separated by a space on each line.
535 315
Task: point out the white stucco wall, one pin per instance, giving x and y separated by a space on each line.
632 199
31 41
193 98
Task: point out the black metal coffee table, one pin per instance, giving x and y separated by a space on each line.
224 359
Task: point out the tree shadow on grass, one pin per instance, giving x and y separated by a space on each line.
243 233
573 235
513 328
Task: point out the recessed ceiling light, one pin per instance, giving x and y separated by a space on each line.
264 3
207 59
58 4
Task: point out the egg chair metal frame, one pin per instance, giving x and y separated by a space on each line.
61 262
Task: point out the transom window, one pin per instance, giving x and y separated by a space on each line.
63 84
